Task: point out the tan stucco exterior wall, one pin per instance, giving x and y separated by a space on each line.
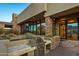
53 8
32 10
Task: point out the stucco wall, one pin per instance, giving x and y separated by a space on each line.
53 8
30 11
2 25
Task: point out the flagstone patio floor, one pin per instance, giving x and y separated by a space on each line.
61 51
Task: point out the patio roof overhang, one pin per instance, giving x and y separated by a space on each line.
31 12
61 9
34 19
73 12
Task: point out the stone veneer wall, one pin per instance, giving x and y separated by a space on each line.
14 23
49 29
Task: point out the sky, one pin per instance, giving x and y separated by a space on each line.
7 9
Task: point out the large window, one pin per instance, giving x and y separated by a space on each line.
69 29
72 30
35 27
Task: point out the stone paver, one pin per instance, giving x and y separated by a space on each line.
60 51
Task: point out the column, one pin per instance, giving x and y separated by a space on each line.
22 29
28 28
54 27
65 29
49 26
78 28
33 27
40 27
36 27
19 29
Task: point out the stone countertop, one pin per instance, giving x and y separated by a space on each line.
19 50
3 49
47 42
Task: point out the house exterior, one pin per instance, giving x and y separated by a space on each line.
34 13
5 25
2 25
60 19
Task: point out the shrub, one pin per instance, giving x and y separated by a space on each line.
7 32
16 32
1 30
